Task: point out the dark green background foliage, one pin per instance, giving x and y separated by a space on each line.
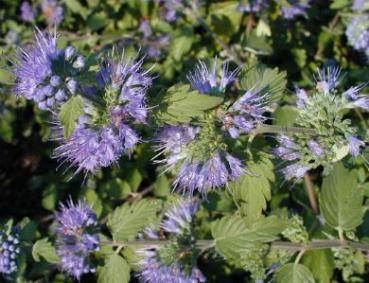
32 184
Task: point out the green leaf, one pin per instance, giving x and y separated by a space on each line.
224 18
182 43
252 191
115 270
232 235
341 200
294 273
256 44
321 264
285 115
127 220
69 114
180 104
43 248
76 7
264 80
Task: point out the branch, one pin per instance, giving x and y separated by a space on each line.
277 245
276 129
319 244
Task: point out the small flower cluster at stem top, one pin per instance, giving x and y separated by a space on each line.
77 238
162 264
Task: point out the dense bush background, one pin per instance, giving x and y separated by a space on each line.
32 186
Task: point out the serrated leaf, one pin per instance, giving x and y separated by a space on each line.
257 45
264 80
294 273
69 114
321 264
44 249
341 200
127 220
180 104
115 270
232 235
252 191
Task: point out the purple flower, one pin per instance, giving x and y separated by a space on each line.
253 5
315 147
358 5
177 222
53 12
131 82
28 14
9 251
354 146
171 9
358 100
204 176
145 28
301 98
328 79
77 238
288 149
172 140
294 9
206 80
37 75
357 33
294 170
179 217
91 148
246 113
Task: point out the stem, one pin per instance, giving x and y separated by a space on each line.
277 245
311 193
319 244
277 129
299 256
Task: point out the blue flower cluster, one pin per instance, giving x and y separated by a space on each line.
77 229
44 73
177 222
333 134
9 251
51 9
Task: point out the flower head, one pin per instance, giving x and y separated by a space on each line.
354 146
357 33
214 170
328 79
28 14
246 113
253 5
102 136
53 11
43 72
9 251
294 9
179 217
77 238
205 79
164 264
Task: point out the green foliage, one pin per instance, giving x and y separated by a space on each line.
294 273
127 220
252 191
180 104
264 80
341 201
44 249
69 114
321 264
233 235
115 270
